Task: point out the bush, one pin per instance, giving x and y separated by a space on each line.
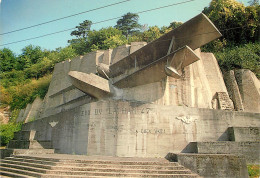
7 132
253 171
240 57
24 94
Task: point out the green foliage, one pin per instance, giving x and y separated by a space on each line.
253 171
7 132
80 43
24 94
105 38
175 24
151 34
7 60
238 24
128 24
242 57
82 29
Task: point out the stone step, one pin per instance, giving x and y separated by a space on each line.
20 171
84 161
5 174
33 161
74 167
123 175
249 150
9 151
117 166
116 174
241 134
29 164
20 167
85 171
24 135
29 144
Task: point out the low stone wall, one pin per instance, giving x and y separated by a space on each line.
135 129
212 165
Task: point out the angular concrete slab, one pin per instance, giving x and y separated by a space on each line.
159 69
91 84
194 33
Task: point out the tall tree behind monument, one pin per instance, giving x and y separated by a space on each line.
80 43
128 24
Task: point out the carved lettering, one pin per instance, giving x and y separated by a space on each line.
151 131
98 111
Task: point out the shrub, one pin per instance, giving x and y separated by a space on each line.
253 171
240 57
7 132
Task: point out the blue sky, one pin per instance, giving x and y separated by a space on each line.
16 14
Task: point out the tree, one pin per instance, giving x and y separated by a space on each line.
105 38
253 2
7 60
238 24
128 24
82 29
175 24
80 43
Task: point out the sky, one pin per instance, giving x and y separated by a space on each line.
17 14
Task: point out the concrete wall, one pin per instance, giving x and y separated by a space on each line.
135 129
62 95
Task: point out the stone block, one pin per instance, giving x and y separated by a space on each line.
249 85
233 90
29 144
224 102
136 46
120 53
212 165
242 134
24 135
249 150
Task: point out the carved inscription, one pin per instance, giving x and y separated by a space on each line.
151 131
116 110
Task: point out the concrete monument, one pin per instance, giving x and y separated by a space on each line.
152 100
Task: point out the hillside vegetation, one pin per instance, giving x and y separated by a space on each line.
27 75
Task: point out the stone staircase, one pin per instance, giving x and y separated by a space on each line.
242 141
24 143
59 165
228 157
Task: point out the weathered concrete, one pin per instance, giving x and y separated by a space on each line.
136 46
212 165
249 87
119 53
248 149
243 134
91 84
193 33
233 90
118 128
34 110
177 60
62 165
